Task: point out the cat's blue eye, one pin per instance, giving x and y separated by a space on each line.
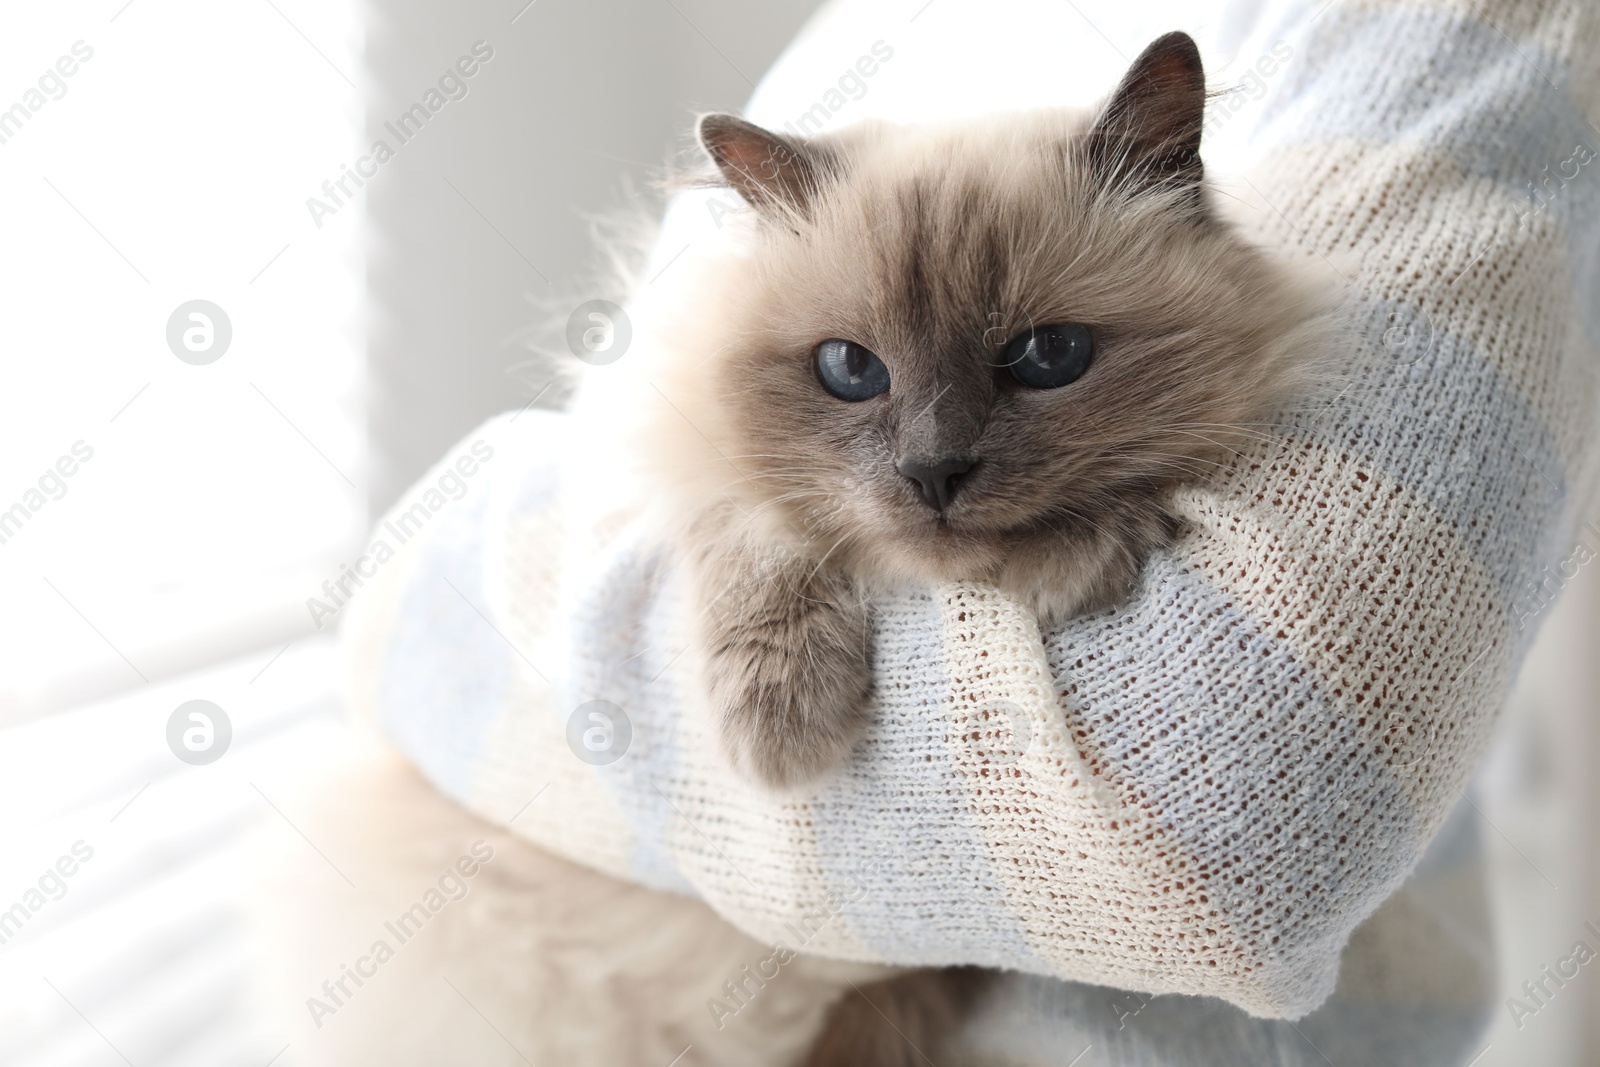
1048 357
850 372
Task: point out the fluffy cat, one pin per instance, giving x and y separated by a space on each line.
986 351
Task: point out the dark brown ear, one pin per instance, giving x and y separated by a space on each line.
1149 132
774 174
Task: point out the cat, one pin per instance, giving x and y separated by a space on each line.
988 351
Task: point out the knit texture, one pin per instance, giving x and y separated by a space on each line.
1206 790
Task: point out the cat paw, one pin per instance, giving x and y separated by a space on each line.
792 700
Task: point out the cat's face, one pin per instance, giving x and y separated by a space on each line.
946 342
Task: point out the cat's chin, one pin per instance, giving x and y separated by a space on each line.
1057 574
939 552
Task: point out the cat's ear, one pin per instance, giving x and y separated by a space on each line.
1149 131
775 175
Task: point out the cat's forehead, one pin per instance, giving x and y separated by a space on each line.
940 229
950 184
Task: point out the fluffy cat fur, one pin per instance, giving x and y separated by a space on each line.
539 961
934 248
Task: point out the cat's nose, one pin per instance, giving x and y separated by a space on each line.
936 481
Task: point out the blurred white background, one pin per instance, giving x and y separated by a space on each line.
174 164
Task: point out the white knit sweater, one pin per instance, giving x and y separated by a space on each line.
1206 790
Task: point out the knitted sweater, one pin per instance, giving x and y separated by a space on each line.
1207 789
